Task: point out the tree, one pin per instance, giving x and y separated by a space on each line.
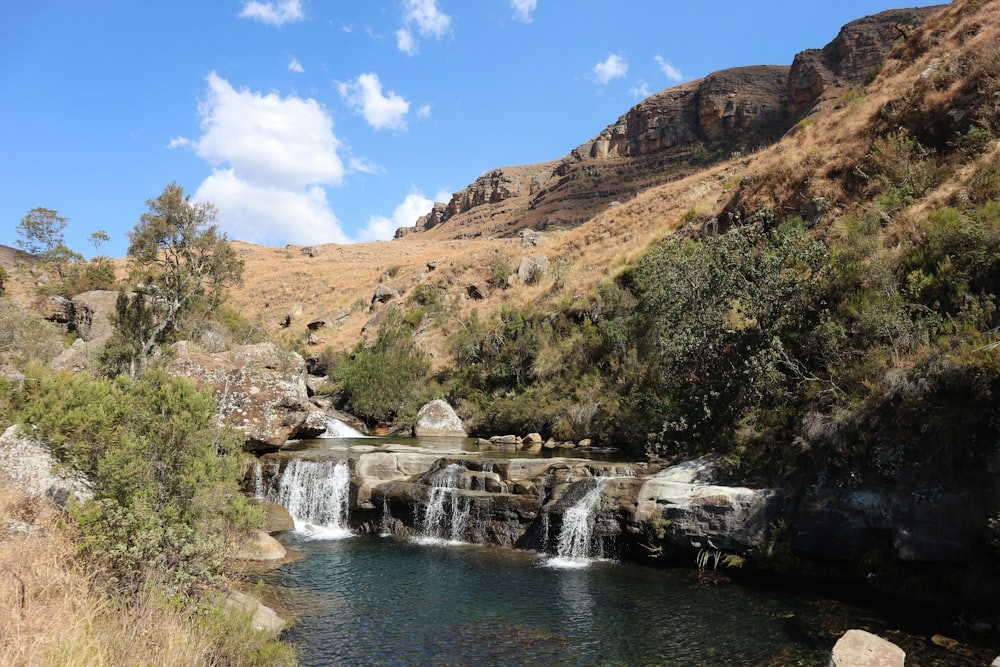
97 238
178 259
41 235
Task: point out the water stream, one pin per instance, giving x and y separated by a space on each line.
447 513
316 494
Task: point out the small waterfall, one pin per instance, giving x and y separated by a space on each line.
338 429
258 481
574 547
316 494
447 513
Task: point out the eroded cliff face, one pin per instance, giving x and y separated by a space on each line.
670 134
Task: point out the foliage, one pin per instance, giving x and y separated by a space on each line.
167 505
178 260
25 336
387 380
4 276
41 235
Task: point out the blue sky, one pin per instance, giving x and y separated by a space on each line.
326 121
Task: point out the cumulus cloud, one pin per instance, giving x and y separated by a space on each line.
641 91
426 19
672 73
273 13
295 66
524 9
382 111
612 67
271 158
382 228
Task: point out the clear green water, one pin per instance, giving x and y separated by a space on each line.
383 601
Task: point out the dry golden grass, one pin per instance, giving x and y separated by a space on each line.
52 616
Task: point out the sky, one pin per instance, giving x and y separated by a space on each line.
336 121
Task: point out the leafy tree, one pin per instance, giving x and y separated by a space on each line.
41 235
386 380
97 238
178 259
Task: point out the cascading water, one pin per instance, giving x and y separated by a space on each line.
316 494
575 547
447 513
338 429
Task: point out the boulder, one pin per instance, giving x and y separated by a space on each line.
92 313
276 518
261 547
313 426
857 648
58 309
704 515
438 419
532 269
262 617
77 357
382 295
30 466
260 389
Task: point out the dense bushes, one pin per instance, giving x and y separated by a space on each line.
167 506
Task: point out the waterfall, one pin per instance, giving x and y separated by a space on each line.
338 429
447 513
574 547
258 481
316 494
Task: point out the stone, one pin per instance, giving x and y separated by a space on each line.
438 419
263 617
276 518
383 294
260 547
260 389
313 426
857 648
77 357
92 313
30 466
531 270
59 310
478 291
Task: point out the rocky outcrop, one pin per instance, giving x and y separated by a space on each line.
669 134
438 419
92 313
262 617
857 648
260 389
29 466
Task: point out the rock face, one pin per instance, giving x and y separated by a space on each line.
858 648
92 313
667 135
29 466
437 418
260 389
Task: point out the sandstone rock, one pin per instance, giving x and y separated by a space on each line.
857 648
59 309
478 291
92 313
30 466
313 426
328 320
276 518
530 270
263 617
261 547
77 357
260 389
383 294
437 418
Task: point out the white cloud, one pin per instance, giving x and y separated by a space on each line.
273 13
180 142
612 67
672 73
426 18
270 215
424 111
271 156
523 9
295 66
382 228
641 91
381 111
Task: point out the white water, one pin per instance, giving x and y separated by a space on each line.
338 429
574 548
316 494
447 513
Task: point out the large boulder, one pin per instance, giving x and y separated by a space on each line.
30 466
437 418
705 515
92 313
857 648
261 547
260 389
262 617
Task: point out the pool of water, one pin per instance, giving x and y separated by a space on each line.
385 601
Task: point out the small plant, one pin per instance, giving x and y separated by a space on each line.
849 99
